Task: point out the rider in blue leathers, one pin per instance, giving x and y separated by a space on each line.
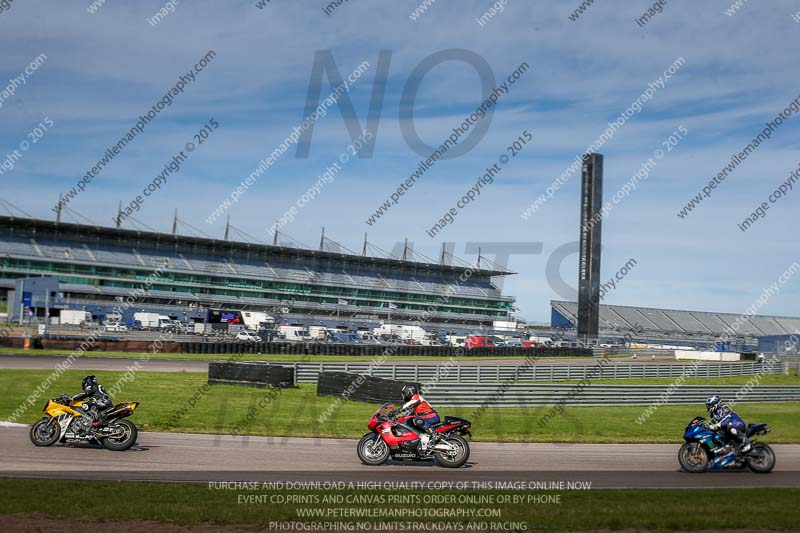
723 417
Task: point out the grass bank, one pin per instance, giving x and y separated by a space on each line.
295 412
195 504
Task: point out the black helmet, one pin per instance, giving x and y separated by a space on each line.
408 392
712 402
88 381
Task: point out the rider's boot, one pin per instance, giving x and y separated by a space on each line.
423 441
744 442
425 438
434 436
98 420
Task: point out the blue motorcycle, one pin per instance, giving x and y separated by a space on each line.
711 450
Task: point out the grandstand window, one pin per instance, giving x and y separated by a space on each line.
224 285
77 281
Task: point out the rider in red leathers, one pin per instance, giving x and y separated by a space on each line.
425 416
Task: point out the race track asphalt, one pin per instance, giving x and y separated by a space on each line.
178 457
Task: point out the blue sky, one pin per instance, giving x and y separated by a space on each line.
105 69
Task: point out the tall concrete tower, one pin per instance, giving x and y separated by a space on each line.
590 242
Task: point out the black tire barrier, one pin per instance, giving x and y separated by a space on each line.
250 373
373 350
360 387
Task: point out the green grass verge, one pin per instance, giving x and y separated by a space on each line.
192 504
295 412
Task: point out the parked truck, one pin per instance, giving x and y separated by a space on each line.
345 337
256 320
165 322
456 340
293 332
73 317
535 341
318 333
404 332
148 320
478 341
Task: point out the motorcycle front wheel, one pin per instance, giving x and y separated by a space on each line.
372 450
456 456
693 457
761 459
124 435
45 432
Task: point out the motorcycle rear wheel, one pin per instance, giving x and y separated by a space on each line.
761 459
45 432
693 457
455 459
125 439
372 450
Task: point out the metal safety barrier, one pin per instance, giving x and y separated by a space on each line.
521 395
458 373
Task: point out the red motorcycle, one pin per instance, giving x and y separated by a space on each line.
394 435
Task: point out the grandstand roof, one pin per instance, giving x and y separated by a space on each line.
671 322
68 230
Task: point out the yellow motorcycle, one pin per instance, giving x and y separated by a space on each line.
68 420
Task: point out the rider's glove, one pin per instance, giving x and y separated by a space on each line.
713 427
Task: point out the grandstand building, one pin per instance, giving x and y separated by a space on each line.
96 268
665 324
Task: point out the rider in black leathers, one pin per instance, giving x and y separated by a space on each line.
98 399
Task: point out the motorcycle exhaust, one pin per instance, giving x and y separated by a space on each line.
120 411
